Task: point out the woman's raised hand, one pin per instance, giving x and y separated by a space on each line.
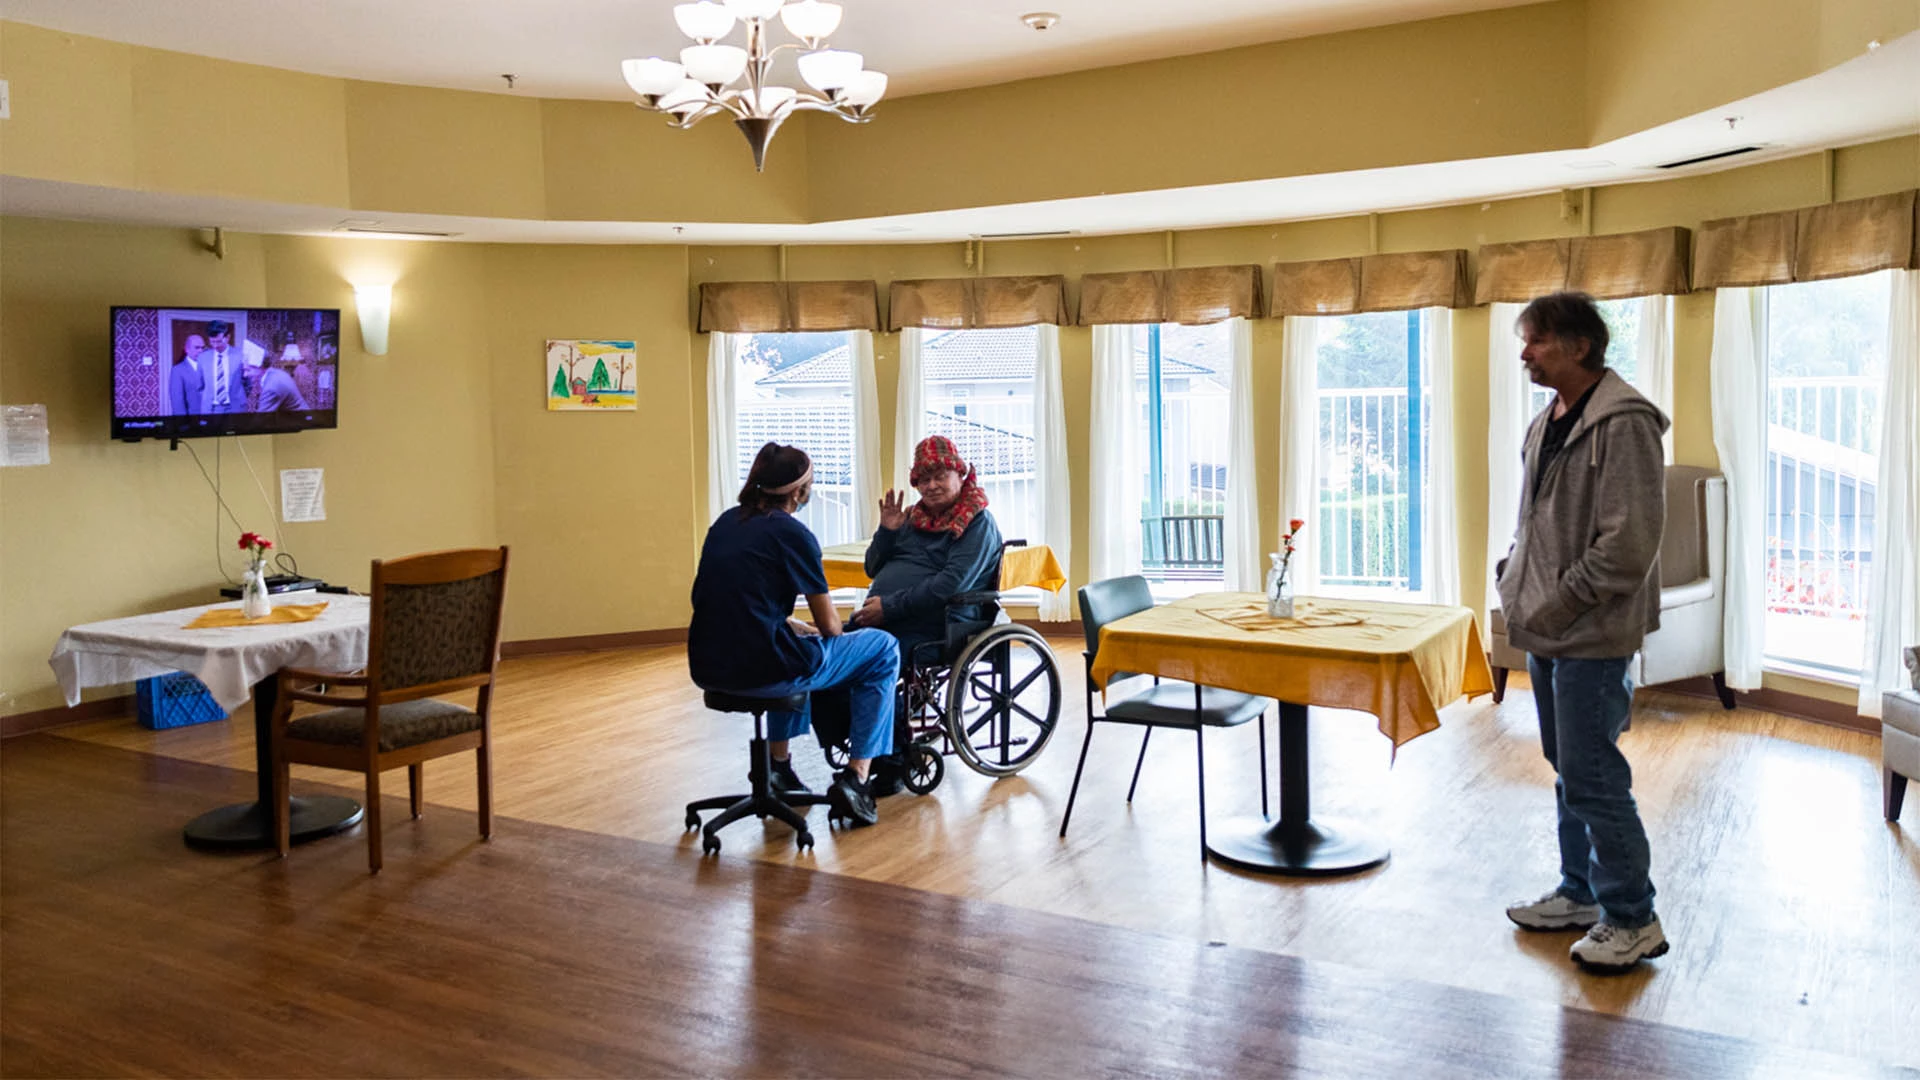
893 509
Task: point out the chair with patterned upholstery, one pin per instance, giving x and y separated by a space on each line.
435 631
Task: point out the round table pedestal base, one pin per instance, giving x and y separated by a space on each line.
1318 849
246 826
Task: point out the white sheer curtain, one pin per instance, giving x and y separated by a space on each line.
910 412
1300 445
1054 488
1740 436
1113 513
1893 599
1653 360
1509 411
1443 524
867 481
723 463
1245 568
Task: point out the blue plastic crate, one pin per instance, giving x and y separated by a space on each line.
174 700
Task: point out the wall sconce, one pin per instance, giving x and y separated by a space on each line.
376 311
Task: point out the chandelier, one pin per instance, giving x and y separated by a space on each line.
702 83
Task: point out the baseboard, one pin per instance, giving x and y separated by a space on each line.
1799 706
59 715
594 642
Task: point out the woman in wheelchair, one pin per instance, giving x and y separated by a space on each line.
743 639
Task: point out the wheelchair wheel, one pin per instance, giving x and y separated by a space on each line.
925 768
1003 700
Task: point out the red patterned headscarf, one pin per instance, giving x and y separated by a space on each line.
934 453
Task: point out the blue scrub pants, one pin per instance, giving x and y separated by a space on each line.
865 663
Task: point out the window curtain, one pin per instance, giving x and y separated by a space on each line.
1245 569
867 481
1893 599
1300 445
1113 513
1654 360
1443 528
1052 486
1740 437
910 409
1509 411
723 462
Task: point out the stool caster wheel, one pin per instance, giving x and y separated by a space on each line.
693 821
710 845
803 841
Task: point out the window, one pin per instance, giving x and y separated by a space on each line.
1623 346
1826 350
979 393
798 389
1181 380
1374 418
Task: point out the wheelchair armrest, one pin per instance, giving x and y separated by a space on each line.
978 596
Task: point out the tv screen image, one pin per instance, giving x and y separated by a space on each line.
182 372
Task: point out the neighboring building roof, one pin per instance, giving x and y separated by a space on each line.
820 428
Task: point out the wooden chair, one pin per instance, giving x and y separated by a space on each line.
435 630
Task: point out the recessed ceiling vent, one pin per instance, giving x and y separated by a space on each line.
1715 156
375 230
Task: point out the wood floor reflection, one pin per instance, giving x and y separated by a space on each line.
1793 908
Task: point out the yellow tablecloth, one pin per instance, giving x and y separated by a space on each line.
846 566
1400 662
282 613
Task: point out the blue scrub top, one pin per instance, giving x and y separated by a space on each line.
751 570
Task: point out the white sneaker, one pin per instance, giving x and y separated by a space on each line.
1554 911
1615 948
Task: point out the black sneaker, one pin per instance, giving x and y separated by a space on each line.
850 800
785 781
885 777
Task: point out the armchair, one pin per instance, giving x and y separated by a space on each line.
1692 592
1900 737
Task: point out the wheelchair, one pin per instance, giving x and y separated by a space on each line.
989 694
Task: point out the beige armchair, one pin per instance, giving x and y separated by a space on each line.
1900 737
1692 592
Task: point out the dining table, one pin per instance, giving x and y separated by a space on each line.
237 661
1021 566
1401 662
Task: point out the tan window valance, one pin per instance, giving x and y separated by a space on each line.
1192 296
1515 273
777 307
1651 262
1841 239
1396 282
977 303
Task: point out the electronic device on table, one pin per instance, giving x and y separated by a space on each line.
282 583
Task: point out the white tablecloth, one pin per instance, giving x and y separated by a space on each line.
229 659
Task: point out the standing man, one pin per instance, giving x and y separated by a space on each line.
186 384
1581 589
226 385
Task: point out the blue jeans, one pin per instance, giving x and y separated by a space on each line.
1583 705
864 662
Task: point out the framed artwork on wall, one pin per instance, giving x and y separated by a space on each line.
590 375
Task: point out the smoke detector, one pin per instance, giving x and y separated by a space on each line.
1040 20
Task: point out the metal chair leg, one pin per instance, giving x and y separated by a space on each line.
1140 762
1074 792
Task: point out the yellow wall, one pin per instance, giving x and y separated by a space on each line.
445 440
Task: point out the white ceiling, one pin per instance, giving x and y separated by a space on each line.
1871 97
573 48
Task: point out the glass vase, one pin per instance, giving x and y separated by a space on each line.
1279 589
254 603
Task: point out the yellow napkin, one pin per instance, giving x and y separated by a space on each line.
230 616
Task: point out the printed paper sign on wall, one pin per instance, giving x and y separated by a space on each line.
590 375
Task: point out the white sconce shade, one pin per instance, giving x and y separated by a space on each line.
704 21
653 76
865 88
375 304
714 65
754 9
829 69
811 20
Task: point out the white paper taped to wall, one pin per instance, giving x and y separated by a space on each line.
302 495
23 435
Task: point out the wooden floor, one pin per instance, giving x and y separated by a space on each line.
1794 910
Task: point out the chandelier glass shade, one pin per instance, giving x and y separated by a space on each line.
712 78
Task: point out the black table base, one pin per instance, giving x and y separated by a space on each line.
249 826
1299 844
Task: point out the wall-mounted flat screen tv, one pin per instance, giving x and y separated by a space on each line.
185 372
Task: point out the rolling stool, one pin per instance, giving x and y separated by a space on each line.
761 801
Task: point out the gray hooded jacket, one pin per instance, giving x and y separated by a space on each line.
1583 578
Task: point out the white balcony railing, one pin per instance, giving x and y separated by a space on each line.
1363 527
1821 449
